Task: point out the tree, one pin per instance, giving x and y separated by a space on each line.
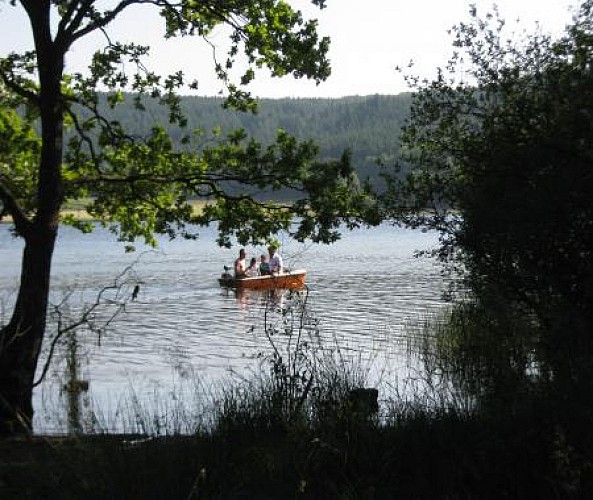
502 165
140 186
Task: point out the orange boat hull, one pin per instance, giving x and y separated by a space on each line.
292 279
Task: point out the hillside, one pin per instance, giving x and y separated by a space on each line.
368 125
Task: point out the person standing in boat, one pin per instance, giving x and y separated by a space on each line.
240 264
275 260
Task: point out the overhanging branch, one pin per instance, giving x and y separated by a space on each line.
12 85
13 208
108 16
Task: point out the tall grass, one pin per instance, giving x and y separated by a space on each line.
479 421
300 385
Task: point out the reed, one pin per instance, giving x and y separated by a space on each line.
468 426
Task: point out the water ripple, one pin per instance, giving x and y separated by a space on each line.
362 293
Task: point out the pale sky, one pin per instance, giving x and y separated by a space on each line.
368 40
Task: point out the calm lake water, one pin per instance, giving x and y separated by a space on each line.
364 294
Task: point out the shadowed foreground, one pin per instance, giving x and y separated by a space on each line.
484 426
420 456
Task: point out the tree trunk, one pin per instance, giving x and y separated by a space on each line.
20 340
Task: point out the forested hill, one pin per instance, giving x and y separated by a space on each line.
368 125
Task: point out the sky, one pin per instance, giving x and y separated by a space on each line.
369 39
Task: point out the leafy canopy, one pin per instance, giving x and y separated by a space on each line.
142 185
502 165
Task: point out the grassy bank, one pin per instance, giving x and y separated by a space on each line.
419 456
485 426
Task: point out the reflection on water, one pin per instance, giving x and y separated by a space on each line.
361 293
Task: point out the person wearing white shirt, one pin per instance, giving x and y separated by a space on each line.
275 260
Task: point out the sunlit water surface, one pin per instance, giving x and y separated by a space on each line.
365 294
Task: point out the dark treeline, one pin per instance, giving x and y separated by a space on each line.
367 125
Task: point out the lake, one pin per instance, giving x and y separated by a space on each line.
363 295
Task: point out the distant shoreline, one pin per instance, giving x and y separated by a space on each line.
80 213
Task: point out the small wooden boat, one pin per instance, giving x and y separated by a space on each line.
288 279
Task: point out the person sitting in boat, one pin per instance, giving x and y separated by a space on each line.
264 266
275 259
252 270
240 264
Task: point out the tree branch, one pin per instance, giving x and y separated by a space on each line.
65 30
12 85
109 16
12 207
87 316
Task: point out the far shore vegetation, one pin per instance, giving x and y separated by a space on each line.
77 209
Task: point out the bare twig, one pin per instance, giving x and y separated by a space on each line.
122 296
